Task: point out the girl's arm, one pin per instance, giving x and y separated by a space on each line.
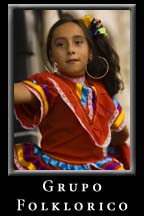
120 137
119 148
23 95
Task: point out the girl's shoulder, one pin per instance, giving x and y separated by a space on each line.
41 77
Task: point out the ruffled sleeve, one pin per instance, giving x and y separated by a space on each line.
120 121
28 115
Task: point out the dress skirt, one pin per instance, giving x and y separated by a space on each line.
28 156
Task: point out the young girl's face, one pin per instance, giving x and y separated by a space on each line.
70 49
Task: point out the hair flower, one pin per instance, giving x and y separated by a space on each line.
86 20
95 26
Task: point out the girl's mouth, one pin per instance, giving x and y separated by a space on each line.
72 60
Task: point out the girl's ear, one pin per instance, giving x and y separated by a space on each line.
90 56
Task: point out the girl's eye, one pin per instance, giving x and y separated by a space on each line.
78 42
60 43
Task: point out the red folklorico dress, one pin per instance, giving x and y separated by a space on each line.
75 120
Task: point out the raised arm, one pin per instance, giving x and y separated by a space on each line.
23 95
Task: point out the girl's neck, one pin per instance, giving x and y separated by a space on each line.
73 79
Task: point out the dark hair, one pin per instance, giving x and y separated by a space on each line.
101 46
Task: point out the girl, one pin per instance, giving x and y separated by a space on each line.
81 123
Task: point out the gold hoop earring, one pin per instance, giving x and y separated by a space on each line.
102 76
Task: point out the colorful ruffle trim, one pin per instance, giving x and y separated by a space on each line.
30 157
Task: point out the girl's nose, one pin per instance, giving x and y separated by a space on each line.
70 52
70 49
